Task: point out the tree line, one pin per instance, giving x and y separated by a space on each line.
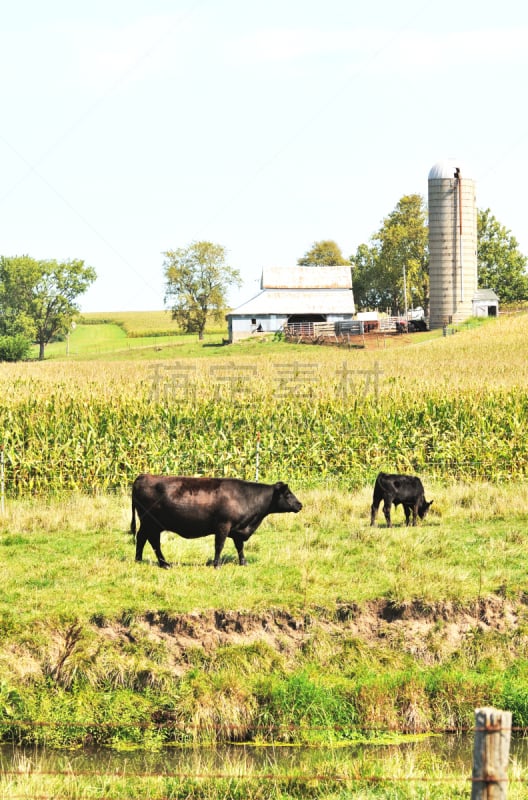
38 298
402 242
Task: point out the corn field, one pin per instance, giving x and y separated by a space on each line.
93 427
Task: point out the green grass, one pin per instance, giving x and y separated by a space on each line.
112 341
334 628
147 323
470 546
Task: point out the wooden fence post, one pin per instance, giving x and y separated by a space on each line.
490 754
2 480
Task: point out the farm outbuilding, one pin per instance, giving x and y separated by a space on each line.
294 295
485 303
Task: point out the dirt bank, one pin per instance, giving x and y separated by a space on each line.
428 632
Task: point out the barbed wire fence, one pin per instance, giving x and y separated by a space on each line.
489 779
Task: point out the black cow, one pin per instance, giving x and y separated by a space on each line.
195 507
406 490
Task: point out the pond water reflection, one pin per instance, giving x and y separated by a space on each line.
438 766
447 753
453 753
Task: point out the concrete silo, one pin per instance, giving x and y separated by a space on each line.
452 244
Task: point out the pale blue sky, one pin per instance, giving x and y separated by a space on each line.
130 127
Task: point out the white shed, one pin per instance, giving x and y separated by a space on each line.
485 303
294 294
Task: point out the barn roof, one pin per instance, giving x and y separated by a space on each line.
334 277
296 301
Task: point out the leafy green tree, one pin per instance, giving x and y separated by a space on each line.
399 248
366 279
325 253
14 348
18 277
197 280
501 265
37 298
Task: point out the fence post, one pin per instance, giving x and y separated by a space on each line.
2 480
490 754
257 458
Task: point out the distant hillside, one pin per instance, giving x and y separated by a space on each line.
143 323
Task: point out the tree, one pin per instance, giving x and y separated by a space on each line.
501 266
399 247
14 348
37 298
367 282
325 253
197 280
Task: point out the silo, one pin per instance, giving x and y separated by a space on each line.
452 243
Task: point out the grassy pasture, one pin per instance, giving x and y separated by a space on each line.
110 341
471 545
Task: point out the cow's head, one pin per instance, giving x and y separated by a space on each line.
284 499
424 508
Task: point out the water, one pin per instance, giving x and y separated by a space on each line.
453 751
447 754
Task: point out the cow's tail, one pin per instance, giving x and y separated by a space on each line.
133 520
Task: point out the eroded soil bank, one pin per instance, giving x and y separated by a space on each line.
429 632
271 676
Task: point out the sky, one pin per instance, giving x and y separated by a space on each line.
133 127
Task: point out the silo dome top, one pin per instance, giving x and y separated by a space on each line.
447 169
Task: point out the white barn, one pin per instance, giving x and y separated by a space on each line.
294 294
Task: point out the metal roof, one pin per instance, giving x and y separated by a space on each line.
485 294
446 169
333 277
298 301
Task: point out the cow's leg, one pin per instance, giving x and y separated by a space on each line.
239 544
376 500
141 538
414 513
220 537
154 537
387 511
407 510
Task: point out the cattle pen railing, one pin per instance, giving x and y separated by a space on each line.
342 331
